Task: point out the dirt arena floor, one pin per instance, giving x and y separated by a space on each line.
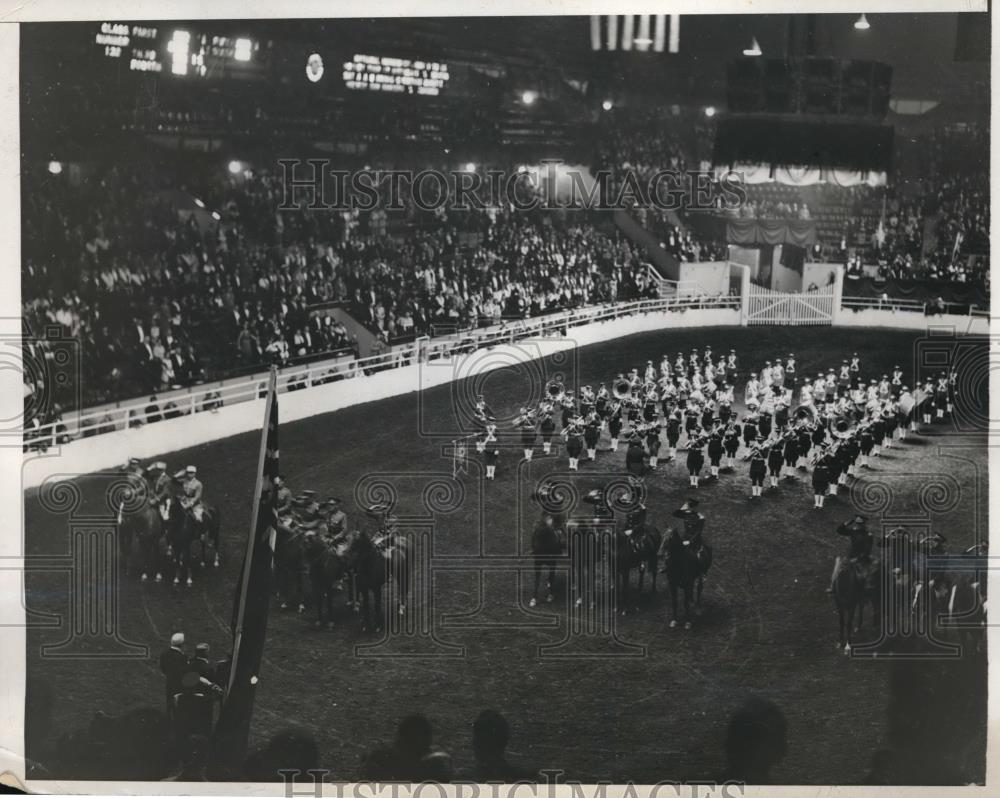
648 704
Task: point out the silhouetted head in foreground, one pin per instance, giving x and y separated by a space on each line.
289 749
755 741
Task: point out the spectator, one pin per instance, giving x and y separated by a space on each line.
490 735
755 742
173 665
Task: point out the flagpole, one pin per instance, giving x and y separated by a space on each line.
272 386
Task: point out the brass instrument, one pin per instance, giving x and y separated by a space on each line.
555 390
622 388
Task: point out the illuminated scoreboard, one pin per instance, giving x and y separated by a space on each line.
175 51
395 75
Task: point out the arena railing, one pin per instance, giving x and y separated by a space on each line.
907 305
208 397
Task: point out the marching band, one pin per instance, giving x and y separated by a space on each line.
834 424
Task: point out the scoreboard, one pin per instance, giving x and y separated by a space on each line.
395 75
177 50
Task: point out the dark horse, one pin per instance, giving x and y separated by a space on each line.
376 561
138 533
635 548
206 532
327 567
686 564
180 531
852 587
547 545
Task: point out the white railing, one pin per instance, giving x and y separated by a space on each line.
209 396
908 305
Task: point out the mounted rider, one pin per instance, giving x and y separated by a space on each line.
163 485
859 555
191 491
691 534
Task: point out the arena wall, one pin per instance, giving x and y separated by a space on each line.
111 450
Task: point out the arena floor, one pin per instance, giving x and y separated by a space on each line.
767 628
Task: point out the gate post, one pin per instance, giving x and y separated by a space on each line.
744 273
838 293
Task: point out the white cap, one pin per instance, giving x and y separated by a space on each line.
191 470
177 639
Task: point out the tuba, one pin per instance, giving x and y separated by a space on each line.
555 390
622 389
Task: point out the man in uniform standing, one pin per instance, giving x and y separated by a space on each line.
860 550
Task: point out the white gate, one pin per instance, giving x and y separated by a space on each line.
775 307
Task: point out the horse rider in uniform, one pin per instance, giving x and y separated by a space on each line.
860 551
163 485
191 488
283 500
693 532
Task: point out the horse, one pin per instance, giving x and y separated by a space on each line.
180 532
142 526
326 566
547 544
851 589
966 608
375 561
686 571
206 531
637 547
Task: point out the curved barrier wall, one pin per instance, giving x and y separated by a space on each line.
425 365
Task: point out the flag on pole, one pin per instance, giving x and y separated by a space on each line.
250 605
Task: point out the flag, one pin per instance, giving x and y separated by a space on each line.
250 604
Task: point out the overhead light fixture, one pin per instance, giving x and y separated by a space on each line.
470 167
199 203
55 167
753 49
607 105
709 111
235 167
862 23
529 97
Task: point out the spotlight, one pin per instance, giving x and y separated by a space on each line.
55 167
710 111
235 167
199 203
862 23
607 105
753 49
529 97
470 167
215 215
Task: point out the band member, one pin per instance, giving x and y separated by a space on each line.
750 430
752 390
790 371
548 428
653 444
673 432
844 379
525 421
635 455
568 409
926 403
884 388
731 367
764 425
758 467
587 401
615 423
715 449
692 417
833 463
878 433
724 399
896 383
592 434
781 414
573 432
941 396
482 411
695 457
731 442
707 416
803 434
830 386
775 457
602 404
855 369
791 453
778 374
820 482
649 404
952 383
491 457
650 374
665 369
